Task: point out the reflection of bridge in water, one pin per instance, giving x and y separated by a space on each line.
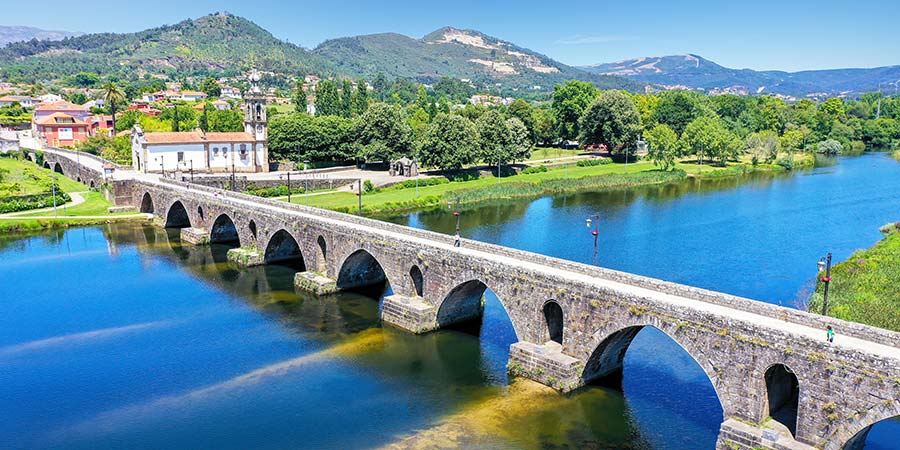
573 322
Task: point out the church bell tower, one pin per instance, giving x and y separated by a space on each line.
255 121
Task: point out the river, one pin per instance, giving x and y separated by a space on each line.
120 337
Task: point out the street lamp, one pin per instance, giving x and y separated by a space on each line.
825 264
456 213
594 219
288 184
306 181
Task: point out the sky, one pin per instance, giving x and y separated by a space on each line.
764 34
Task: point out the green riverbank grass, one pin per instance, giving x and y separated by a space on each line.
555 180
866 287
79 215
17 171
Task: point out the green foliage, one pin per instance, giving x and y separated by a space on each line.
300 136
211 87
763 147
382 133
679 108
10 204
495 141
275 191
368 186
181 117
117 150
328 102
449 142
707 137
830 147
662 144
85 79
611 119
570 100
534 169
593 162
866 287
299 98
520 139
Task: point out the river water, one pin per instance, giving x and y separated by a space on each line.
120 337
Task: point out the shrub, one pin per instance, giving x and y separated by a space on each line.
534 169
786 161
422 182
368 186
593 162
275 191
29 202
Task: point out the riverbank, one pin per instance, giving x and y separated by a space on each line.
866 287
535 181
92 211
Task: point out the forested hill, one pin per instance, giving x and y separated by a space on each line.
458 54
218 43
699 73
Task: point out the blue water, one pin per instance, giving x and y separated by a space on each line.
118 337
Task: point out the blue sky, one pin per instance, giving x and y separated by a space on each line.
764 34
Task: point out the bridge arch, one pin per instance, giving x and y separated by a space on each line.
224 231
361 269
58 169
782 396
607 358
323 253
253 231
282 248
554 319
418 281
92 184
147 203
852 435
177 216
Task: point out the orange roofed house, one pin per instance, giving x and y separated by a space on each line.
61 123
243 151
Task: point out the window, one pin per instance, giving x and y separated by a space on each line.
180 156
215 151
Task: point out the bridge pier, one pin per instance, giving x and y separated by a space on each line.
315 283
546 364
246 256
412 314
195 236
738 435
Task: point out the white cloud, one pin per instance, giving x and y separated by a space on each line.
580 39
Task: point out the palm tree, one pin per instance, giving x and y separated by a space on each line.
112 94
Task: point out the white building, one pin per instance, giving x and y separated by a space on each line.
245 151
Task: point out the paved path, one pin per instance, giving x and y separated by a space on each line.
77 199
110 216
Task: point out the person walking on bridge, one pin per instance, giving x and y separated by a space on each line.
829 334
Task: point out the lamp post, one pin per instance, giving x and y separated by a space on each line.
192 170
288 184
232 169
53 184
456 213
359 195
825 264
306 182
594 219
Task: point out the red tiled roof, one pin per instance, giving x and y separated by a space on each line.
53 120
60 105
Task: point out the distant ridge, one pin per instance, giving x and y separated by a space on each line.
9 34
696 72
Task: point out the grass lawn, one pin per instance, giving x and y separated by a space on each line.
16 173
866 287
394 199
94 205
545 153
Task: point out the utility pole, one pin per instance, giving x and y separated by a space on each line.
192 171
826 262
359 194
53 184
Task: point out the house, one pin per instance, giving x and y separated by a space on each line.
44 111
23 101
231 93
144 108
49 98
192 96
245 151
99 122
61 129
311 79
221 105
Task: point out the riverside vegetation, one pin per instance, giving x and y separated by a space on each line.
866 287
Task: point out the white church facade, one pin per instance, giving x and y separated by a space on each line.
244 151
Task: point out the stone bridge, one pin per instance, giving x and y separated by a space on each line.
780 384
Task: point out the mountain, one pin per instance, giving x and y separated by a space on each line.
10 34
695 72
461 54
214 43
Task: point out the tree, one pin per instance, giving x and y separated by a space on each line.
85 79
763 146
225 120
707 137
299 136
327 101
830 147
383 134
520 109
569 102
677 109
300 98
346 98
792 140
448 143
611 119
380 86
544 126
211 87
112 94
77 97
662 146
182 117
520 139
361 99
494 139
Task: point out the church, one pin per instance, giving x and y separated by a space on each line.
202 152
